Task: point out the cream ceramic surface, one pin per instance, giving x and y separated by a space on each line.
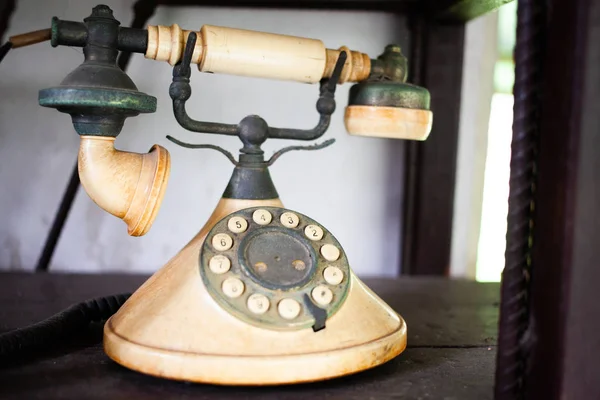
171 327
128 185
258 54
388 122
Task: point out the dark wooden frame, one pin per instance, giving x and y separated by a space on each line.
430 167
566 250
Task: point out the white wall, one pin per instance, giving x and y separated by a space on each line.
353 188
477 90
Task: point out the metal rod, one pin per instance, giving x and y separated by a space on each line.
59 221
4 49
514 312
7 7
417 59
227 154
143 10
317 146
29 38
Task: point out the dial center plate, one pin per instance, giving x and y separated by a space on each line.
278 258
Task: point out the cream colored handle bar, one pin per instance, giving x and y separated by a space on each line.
257 54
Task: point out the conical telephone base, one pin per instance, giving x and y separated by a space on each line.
172 328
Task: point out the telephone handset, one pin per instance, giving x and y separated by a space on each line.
275 268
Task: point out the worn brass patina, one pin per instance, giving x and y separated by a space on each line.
97 94
387 87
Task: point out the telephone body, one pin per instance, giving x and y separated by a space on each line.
263 294
277 311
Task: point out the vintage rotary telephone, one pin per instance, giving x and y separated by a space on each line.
263 294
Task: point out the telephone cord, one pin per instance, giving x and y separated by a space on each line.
59 327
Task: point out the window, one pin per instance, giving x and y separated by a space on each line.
492 238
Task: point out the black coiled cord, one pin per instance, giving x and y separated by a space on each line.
48 333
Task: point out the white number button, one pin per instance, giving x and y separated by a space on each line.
288 308
237 224
333 275
330 252
322 295
219 264
233 287
262 217
222 241
289 220
258 303
313 232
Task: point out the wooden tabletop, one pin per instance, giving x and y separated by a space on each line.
452 331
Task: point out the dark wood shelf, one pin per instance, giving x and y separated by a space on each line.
446 10
451 346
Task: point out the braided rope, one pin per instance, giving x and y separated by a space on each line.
514 312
